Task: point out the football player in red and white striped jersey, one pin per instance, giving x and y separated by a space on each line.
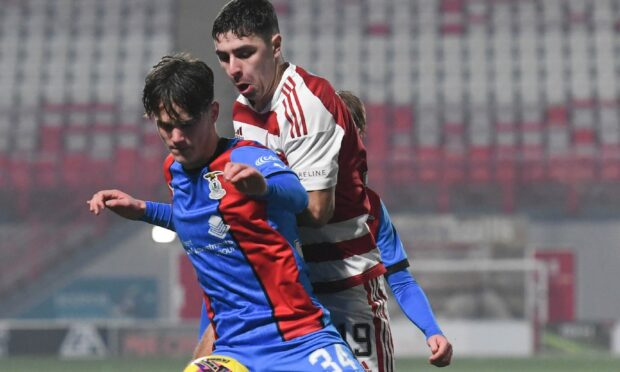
299 115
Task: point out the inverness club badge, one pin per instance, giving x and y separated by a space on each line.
217 191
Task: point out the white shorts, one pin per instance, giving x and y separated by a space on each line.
361 316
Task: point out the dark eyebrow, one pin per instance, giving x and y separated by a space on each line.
178 123
244 48
241 49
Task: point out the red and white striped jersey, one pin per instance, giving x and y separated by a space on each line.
308 123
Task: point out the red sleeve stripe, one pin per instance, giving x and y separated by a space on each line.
289 105
290 120
323 90
301 112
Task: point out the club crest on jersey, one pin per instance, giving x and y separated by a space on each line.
215 186
217 227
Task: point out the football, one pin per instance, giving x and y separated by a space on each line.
215 363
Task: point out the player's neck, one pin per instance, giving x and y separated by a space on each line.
261 105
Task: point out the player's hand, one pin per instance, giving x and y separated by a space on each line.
246 179
441 351
118 202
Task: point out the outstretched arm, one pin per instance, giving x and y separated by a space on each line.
118 202
131 208
414 303
409 295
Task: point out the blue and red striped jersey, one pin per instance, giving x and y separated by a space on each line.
244 250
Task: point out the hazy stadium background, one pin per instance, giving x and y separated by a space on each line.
494 138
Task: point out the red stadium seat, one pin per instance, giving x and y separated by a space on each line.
452 17
610 162
403 150
480 164
75 169
377 145
428 164
46 172
584 156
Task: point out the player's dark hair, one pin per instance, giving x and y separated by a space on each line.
179 80
247 18
356 109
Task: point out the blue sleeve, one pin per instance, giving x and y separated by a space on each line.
284 188
263 159
204 321
408 293
285 191
389 243
413 302
159 214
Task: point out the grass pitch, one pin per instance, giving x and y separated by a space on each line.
604 363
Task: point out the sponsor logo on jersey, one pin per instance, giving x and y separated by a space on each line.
266 159
239 133
312 173
217 227
217 191
224 247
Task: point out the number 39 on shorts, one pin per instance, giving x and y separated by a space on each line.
336 358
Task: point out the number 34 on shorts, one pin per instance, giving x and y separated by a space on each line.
335 358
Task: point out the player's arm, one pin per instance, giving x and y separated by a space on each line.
205 343
314 157
118 202
131 208
159 214
320 209
408 293
414 303
280 187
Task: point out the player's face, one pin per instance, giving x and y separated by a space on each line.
251 64
191 141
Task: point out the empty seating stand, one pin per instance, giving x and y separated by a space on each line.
508 97
71 73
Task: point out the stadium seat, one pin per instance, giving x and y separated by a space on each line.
428 164
480 159
402 171
610 162
452 17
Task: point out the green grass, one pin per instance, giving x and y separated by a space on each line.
546 364
603 363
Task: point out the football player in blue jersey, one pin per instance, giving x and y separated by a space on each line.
233 207
408 293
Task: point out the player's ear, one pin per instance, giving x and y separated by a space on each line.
276 44
214 111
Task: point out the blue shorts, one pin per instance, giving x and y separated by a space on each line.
320 351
